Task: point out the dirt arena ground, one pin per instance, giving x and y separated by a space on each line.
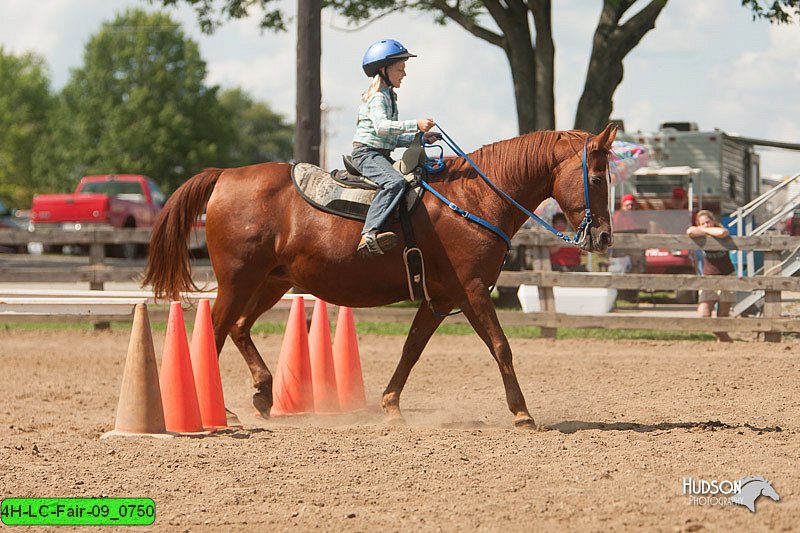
628 421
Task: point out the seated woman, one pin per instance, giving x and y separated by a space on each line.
564 258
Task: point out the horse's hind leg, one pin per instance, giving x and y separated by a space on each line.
423 326
481 314
236 308
267 296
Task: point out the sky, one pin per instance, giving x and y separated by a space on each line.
706 62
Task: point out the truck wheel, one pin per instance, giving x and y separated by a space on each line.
686 297
130 251
507 298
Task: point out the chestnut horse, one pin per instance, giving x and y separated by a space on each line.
264 239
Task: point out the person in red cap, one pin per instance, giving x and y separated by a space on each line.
564 258
628 203
679 200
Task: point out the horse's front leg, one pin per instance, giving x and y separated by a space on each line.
423 326
480 312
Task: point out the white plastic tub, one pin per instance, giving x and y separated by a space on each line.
570 300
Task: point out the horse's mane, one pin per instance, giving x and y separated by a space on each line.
539 147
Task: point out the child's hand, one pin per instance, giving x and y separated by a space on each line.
431 137
424 124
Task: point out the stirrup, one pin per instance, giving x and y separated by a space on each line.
376 244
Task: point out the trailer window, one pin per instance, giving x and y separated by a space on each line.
659 185
731 185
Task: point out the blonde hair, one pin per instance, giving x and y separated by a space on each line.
706 213
375 86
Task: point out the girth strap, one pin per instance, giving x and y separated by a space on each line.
412 256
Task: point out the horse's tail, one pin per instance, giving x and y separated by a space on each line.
168 268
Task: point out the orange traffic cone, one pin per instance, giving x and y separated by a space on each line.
139 411
181 410
323 378
205 367
293 392
347 363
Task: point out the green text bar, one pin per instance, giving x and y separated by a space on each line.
78 511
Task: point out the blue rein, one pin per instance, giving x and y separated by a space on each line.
438 165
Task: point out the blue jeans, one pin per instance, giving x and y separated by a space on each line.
378 167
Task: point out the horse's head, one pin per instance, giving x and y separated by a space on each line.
769 491
569 185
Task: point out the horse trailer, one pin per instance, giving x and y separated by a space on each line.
729 166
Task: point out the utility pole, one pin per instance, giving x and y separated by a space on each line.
308 91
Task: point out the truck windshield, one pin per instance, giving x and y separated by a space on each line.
128 190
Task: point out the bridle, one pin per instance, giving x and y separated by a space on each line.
437 164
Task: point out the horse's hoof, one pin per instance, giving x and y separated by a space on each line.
231 419
395 420
525 423
262 404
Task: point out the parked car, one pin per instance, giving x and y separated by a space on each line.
9 221
111 200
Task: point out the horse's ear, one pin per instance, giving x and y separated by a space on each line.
605 138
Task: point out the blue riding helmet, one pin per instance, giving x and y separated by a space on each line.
382 54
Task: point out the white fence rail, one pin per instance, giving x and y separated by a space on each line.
46 302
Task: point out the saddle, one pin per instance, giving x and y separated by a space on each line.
347 193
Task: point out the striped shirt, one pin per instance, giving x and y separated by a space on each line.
379 127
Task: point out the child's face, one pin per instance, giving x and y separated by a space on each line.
396 72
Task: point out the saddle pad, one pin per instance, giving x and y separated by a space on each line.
319 189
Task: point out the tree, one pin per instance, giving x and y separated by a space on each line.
530 50
308 87
259 134
25 101
138 105
613 41
777 11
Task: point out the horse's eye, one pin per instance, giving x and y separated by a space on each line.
597 180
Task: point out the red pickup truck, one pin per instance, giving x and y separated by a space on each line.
115 200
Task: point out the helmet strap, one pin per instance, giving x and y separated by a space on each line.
385 77
392 95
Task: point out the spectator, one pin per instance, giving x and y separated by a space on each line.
679 199
564 258
793 224
628 203
716 263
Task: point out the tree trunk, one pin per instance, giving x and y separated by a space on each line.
602 79
612 43
545 65
308 91
511 16
523 73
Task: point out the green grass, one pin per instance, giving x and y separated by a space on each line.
401 329
533 332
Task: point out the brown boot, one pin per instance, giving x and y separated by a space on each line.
374 243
